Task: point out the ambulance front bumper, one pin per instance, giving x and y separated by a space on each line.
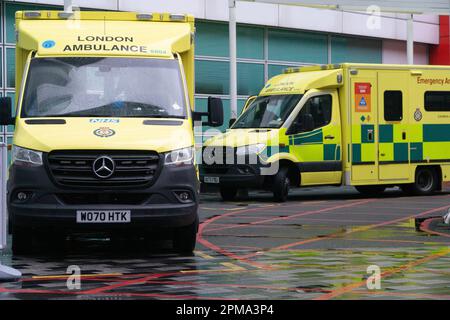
50 205
243 176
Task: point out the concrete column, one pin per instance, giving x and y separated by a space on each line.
233 58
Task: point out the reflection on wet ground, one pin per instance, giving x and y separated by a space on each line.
319 245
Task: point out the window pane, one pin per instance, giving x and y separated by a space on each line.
250 78
348 49
212 39
10 11
240 106
1 24
297 46
201 105
1 68
268 112
319 108
250 42
393 106
10 67
437 101
212 77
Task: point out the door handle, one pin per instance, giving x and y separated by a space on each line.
329 137
370 135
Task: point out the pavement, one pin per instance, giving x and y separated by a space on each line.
324 243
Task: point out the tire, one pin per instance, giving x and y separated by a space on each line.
426 182
281 185
185 239
371 191
228 193
22 240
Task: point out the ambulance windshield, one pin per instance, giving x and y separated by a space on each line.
104 87
268 112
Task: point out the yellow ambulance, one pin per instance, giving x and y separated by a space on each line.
103 136
363 125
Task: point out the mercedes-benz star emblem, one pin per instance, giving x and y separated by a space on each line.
103 167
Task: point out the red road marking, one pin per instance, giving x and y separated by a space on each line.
306 213
126 283
120 294
425 227
404 294
405 267
365 228
244 259
232 285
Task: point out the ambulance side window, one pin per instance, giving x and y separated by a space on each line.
318 108
393 105
437 101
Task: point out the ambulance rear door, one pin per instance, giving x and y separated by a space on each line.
393 139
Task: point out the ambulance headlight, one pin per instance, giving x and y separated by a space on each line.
250 149
26 157
180 157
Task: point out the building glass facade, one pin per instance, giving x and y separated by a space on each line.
262 53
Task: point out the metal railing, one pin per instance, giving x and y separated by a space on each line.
3 210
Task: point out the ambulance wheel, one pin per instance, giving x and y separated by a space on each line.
370 190
22 240
281 185
185 239
425 183
228 193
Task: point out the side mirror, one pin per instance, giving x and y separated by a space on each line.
307 122
6 117
215 112
232 121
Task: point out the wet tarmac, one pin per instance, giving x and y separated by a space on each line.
324 243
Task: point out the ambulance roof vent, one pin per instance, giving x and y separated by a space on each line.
312 68
177 17
32 14
292 70
144 16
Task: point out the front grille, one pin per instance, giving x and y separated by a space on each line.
215 169
228 169
74 168
219 156
103 198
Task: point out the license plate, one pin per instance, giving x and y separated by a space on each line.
100 216
212 180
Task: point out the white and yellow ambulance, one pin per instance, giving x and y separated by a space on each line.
365 125
103 135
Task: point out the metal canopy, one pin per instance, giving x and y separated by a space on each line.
409 7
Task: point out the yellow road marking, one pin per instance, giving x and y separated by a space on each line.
230 267
203 255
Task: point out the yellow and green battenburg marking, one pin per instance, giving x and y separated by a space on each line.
426 142
314 140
